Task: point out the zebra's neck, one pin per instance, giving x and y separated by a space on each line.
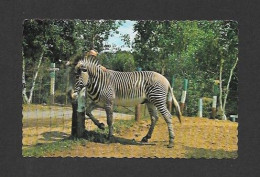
96 78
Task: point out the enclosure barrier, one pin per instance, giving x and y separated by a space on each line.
184 93
234 118
214 102
200 107
52 70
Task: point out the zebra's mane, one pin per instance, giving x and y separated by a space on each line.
78 57
91 63
91 60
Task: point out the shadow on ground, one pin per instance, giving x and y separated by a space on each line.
98 137
90 136
54 135
193 152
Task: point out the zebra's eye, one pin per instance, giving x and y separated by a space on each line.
83 69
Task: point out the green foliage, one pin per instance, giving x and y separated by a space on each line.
120 61
59 40
123 61
62 38
191 50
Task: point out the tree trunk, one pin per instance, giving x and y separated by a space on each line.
229 80
80 115
25 98
74 119
222 111
34 79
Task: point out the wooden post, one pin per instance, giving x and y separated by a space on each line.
74 119
52 86
137 112
184 93
214 103
233 117
170 96
138 107
200 107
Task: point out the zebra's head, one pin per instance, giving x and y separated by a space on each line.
85 65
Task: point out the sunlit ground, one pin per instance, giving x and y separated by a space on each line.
195 138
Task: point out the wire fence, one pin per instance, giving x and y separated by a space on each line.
47 130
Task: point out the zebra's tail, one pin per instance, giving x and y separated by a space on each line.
176 104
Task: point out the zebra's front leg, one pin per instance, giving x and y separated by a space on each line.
89 109
154 117
109 112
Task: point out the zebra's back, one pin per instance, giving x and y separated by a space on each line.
131 88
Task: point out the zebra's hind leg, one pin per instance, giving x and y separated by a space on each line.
168 119
154 117
89 109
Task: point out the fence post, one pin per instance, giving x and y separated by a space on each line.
138 107
184 93
214 103
170 96
52 86
200 107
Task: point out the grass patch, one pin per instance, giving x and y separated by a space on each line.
124 110
131 110
123 124
39 107
41 150
208 153
119 126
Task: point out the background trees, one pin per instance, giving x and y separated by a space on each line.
46 41
204 52
201 51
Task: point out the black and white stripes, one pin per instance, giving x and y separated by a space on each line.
108 87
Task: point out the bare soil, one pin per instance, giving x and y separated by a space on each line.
195 138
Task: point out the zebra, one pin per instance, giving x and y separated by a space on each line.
107 88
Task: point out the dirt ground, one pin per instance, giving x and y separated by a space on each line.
195 138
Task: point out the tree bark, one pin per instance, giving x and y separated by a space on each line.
25 98
74 119
35 78
222 111
81 106
229 80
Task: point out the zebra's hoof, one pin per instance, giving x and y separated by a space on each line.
144 140
101 126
